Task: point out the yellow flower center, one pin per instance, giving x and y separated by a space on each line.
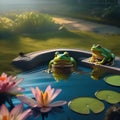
44 98
5 118
2 78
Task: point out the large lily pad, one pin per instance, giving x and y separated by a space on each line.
109 96
84 105
113 80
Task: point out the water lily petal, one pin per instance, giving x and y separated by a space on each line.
9 78
8 84
3 87
25 114
50 93
58 103
16 111
48 88
40 97
19 81
33 91
45 98
56 93
27 100
4 111
3 75
15 114
38 91
15 90
36 95
45 109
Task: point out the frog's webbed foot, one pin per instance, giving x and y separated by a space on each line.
91 59
49 71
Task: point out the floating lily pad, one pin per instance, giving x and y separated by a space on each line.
84 105
109 96
113 80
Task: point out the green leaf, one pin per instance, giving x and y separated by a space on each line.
84 105
109 96
113 80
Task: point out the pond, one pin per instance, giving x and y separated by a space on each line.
75 84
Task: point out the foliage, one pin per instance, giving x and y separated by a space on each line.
34 23
6 27
97 12
112 12
26 23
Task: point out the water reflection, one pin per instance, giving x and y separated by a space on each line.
61 73
98 72
56 111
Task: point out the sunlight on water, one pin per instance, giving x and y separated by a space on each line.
77 85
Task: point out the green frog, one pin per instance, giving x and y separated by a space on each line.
62 60
101 55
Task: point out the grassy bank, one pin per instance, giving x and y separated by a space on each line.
61 39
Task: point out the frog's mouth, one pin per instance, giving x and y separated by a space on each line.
95 52
62 65
62 62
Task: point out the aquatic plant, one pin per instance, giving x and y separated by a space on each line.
9 88
43 100
110 96
113 80
9 84
16 113
86 105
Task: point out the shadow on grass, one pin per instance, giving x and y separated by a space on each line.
53 34
8 36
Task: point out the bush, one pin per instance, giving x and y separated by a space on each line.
112 12
34 23
6 27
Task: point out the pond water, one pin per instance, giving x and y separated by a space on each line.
77 84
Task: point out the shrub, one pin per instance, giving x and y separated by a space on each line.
6 27
112 12
34 23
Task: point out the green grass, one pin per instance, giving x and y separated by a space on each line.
9 48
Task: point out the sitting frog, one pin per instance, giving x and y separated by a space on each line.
101 55
62 60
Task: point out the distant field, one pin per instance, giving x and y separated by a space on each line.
9 48
17 35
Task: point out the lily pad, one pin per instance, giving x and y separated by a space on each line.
84 105
109 96
113 80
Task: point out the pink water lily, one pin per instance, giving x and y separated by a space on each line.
9 84
15 114
43 99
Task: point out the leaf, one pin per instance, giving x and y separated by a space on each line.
109 96
84 105
113 80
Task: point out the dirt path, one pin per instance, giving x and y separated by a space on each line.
77 24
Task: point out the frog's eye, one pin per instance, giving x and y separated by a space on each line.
98 46
56 53
93 45
66 53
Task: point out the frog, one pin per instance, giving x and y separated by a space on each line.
62 60
101 55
